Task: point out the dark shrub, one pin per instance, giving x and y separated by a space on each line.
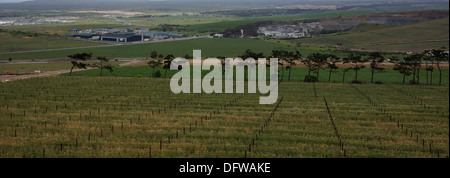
357 82
379 82
310 78
413 82
158 74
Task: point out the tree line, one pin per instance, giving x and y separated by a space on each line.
78 60
408 66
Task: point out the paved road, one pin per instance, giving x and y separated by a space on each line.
115 44
10 78
122 21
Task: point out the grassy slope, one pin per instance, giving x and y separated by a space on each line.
209 47
9 42
194 23
200 24
45 67
411 37
221 26
88 23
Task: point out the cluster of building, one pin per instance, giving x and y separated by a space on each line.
31 21
123 35
291 31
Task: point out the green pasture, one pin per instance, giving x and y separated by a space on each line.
209 47
389 76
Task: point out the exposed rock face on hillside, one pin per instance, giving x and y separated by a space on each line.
326 25
398 18
291 31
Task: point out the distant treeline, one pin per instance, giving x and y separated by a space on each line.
16 33
150 16
391 4
262 12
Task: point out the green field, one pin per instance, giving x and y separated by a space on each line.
44 66
389 76
85 117
411 37
207 28
209 47
16 43
92 22
192 24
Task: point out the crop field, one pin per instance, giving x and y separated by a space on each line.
140 117
16 43
379 92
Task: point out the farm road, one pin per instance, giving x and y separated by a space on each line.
10 78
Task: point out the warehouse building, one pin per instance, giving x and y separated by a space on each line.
123 35
122 38
84 36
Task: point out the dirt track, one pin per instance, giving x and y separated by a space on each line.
9 78
301 65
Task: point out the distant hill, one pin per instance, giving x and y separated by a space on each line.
209 5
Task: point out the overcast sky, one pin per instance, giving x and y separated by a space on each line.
70 3
8 1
